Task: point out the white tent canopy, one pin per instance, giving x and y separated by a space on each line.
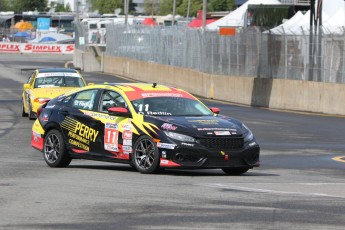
333 20
236 18
57 36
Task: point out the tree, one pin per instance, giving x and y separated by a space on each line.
107 6
29 5
195 6
150 7
4 6
220 5
68 7
61 8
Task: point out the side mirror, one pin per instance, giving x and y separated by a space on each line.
90 83
215 110
26 86
119 111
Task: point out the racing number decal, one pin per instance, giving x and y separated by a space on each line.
111 137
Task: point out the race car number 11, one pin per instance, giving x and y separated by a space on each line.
111 137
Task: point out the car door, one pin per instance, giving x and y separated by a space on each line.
115 131
81 131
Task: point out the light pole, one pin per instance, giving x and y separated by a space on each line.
126 3
174 13
204 6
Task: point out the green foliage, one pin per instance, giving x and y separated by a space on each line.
220 5
150 7
28 5
195 6
68 8
4 6
61 8
166 6
107 6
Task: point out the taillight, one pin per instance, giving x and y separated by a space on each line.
39 110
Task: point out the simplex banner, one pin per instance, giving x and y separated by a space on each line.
9 47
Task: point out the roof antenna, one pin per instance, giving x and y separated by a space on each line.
154 85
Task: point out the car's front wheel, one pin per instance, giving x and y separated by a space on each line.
235 171
54 151
145 155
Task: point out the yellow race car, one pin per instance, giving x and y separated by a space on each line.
45 84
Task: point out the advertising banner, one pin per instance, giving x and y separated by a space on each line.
9 47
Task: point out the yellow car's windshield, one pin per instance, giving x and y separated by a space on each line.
58 81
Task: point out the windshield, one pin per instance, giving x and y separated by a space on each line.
170 106
58 81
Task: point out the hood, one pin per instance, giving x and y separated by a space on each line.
198 126
50 92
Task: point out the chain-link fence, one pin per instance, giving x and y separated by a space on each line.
249 53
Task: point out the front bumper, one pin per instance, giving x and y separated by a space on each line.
188 157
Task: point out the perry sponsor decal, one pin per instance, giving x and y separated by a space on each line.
79 134
37 48
111 137
168 126
165 145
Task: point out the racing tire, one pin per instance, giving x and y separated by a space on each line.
146 156
24 114
54 151
235 171
31 115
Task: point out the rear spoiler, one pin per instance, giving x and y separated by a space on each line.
32 69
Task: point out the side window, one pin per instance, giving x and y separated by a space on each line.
85 99
66 100
111 99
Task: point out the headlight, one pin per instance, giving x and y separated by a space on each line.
179 137
248 135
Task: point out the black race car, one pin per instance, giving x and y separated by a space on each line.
148 126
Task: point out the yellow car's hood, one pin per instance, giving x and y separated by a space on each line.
50 92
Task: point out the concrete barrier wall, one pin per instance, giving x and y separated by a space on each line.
87 61
296 95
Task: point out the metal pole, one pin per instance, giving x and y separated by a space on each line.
126 11
319 53
188 9
77 11
174 13
311 31
204 6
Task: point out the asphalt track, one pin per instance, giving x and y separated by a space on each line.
300 185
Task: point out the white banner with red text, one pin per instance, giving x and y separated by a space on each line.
9 47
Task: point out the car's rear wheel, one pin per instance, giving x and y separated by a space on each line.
31 115
54 151
145 155
24 114
235 171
